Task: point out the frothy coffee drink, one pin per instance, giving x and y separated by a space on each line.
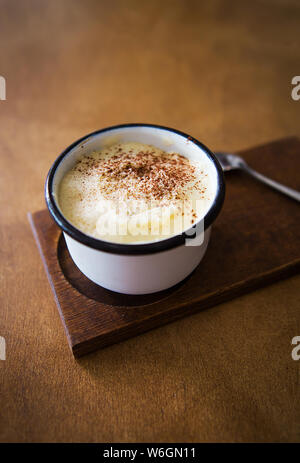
132 192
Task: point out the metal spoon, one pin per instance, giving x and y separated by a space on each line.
232 162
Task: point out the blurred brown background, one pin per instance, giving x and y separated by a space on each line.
219 70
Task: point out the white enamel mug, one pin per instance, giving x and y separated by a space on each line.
138 268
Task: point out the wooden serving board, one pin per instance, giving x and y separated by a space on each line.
255 241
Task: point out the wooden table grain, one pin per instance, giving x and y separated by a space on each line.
219 70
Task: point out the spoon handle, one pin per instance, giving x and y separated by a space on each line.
277 186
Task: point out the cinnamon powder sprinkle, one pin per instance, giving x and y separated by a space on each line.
148 174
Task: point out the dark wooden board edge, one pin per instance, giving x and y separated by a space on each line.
34 231
140 327
144 325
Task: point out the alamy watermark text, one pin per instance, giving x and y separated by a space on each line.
2 348
2 88
296 90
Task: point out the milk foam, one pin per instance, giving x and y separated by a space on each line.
119 206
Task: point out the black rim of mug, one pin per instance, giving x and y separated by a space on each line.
136 248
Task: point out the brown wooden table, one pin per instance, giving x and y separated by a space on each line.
219 70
